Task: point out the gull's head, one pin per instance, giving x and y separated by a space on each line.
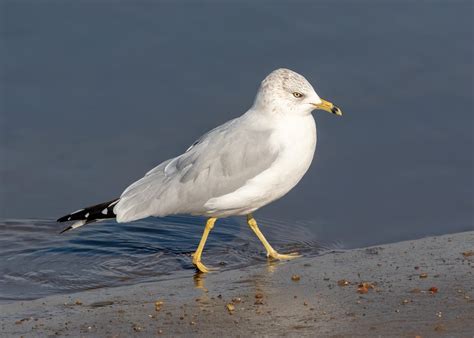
287 92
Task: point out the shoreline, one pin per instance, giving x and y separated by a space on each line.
413 288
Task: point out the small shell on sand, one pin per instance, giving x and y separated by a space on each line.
230 307
295 278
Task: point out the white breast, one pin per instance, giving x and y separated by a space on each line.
296 139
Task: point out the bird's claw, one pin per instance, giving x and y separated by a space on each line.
201 267
276 255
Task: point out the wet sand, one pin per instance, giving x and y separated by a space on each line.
415 288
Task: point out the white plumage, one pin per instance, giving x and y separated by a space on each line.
239 166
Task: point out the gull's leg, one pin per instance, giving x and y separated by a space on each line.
197 255
270 251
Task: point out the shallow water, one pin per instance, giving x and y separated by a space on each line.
36 261
95 94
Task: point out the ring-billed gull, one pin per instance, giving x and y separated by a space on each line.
233 169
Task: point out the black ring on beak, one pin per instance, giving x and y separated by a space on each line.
335 110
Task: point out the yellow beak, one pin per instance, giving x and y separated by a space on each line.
329 107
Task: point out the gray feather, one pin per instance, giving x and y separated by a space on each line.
218 163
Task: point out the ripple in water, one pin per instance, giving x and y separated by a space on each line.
35 261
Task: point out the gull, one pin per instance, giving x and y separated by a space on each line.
232 170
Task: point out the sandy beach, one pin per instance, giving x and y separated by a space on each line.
415 288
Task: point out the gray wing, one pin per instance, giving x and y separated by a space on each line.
220 162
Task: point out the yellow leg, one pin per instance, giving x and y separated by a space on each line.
197 255
270 251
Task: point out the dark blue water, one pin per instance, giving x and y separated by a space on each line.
94 94
36 261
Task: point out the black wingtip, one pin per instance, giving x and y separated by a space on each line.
99 211
63 219
65 229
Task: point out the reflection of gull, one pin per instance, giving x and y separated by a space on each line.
234 169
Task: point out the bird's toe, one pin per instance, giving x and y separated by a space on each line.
201 267
289 256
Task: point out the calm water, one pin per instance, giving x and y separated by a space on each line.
94 94
37 262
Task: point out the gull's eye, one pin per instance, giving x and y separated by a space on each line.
297 95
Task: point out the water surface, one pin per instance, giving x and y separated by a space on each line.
36 261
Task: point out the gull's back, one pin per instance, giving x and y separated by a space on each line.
219 163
